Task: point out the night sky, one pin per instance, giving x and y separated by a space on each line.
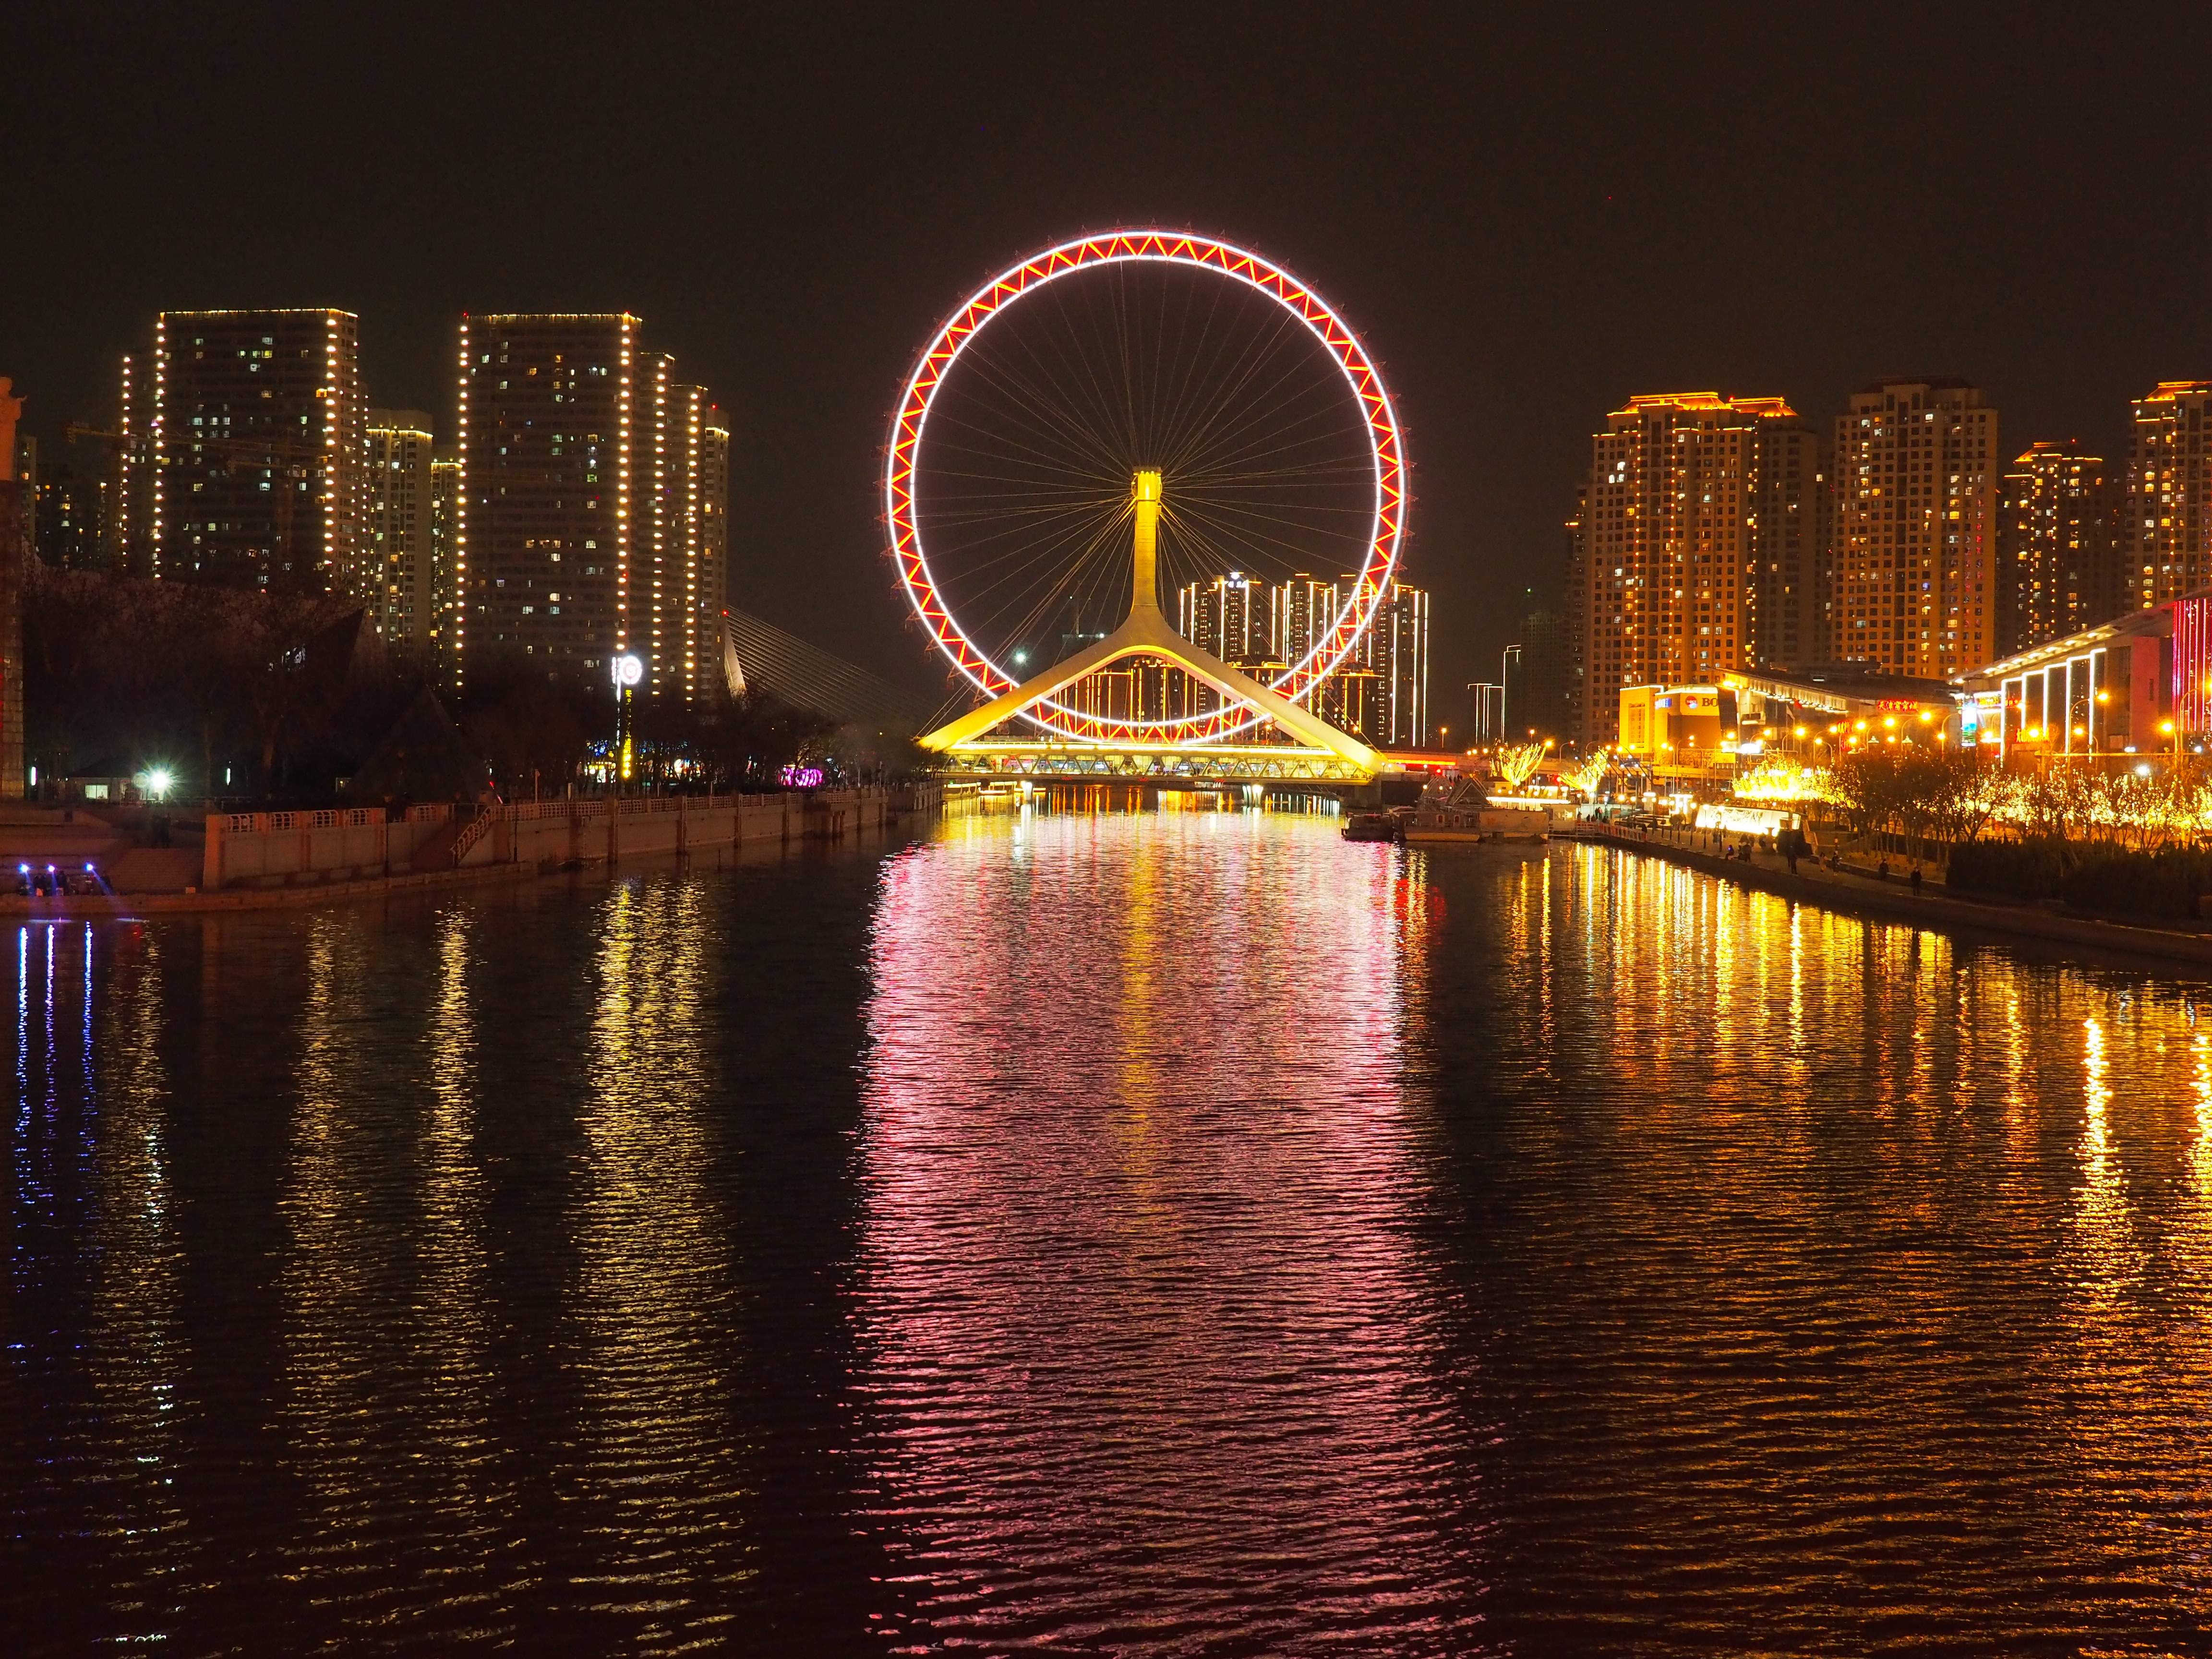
1528 218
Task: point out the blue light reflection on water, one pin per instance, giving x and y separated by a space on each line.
1080 1233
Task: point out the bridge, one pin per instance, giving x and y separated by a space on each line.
990 743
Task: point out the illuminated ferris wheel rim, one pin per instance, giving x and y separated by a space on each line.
1362 378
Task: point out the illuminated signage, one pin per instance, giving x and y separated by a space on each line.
802 777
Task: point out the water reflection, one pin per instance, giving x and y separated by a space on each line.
1225 1239
655 1481
1151 1354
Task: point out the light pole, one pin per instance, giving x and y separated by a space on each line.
628 672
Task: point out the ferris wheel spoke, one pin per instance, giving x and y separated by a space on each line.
1233 385
1060 458
1080 442
1232 437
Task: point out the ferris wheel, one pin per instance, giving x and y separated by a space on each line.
1126 412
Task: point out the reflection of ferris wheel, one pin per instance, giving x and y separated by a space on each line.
1268 435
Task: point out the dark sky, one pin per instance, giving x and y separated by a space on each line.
1529 214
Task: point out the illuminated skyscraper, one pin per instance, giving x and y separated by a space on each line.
399 528
543 554
244 459
1694 549
702 571
1233 616
1916 565
2168 531
445 499
2059 571
591 516
1404 664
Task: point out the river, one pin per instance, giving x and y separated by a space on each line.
1171 1233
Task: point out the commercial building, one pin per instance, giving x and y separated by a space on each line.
1915 465
1695 549
244 452
591 519
397 528
2139 683
1748 720
2168 533
2059 569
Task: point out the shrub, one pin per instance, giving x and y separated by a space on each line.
2095 876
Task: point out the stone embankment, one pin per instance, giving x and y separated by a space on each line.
250 859
1894 900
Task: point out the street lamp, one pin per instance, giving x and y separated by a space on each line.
628 672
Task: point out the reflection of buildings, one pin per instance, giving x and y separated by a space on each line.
1036 1270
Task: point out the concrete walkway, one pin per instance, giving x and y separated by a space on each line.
1893 901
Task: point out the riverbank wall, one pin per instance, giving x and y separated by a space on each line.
1897 902
254 860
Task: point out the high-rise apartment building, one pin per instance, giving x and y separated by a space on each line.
1235 618
1379 693
1403 663
2059 568
396 527
244 453
1534 673
445 599
1695 550
2167 538
1486 712
70 518
703 570
1916 510
591 519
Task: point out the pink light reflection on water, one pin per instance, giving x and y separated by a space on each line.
1153 1355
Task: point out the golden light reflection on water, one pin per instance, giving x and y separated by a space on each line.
335 1346
656 1483
1203 1378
